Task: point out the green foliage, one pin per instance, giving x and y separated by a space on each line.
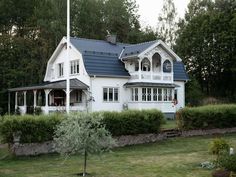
40 128
205 41
132 122
194 94
218 146
228 161
82 133
167 22
33 128
207 117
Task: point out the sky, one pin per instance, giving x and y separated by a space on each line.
149 10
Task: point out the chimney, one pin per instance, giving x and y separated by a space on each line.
111 38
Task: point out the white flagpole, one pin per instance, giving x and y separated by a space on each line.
68 60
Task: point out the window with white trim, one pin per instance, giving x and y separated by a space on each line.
74 67
165 94
110 94
154 94
61 69
159 94
134 94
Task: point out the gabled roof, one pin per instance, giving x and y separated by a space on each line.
104 64
102 58
74 84
136 49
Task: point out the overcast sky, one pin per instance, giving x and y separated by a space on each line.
149 10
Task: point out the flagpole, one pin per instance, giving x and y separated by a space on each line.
68 60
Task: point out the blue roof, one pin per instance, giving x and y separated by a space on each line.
136 49
101 58
104 64
179 72
84 45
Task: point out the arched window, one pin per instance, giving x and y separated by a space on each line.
167 66
145 65
156 62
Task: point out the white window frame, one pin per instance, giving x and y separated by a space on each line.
60 69
74 67
113 94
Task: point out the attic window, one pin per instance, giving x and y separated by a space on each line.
74 67
61 69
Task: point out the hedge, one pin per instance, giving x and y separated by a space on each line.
32 128
133 122
207 117
41 128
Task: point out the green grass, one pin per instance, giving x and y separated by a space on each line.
169 124
171 158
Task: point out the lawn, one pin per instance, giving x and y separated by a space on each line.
171 158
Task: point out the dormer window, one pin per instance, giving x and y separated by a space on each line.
145 65
74 67
61 69
167 66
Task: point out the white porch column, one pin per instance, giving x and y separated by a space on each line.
47 91
151 69
35 97
16 100
25 104
139 66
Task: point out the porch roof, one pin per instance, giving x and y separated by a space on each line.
74 84
149 84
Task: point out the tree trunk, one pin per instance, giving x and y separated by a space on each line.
85 162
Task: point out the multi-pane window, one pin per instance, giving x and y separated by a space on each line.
159 94
111 94
144 94
60 69
74 67
154 94
165 94
149 94
134 94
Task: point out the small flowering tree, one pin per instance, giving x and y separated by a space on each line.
82 133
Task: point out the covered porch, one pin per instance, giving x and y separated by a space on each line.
50 97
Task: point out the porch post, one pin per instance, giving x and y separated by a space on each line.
25 106
16 99
139 66
35 97
151 69
46 100
9 103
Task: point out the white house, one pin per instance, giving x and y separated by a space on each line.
107 75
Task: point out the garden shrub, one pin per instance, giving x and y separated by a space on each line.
207 117
132 122
228 161
39 128
32 128
218 146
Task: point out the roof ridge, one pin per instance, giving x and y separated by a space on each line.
131 45
97 40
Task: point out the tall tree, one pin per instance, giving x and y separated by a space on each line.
167 22
206 42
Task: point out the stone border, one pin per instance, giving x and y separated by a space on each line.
47 147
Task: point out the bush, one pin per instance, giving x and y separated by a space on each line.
218 146
41 128
132 122
228 161
207 117
32 128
